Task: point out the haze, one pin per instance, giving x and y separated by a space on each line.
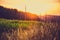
39 7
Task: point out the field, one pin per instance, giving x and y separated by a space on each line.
28 30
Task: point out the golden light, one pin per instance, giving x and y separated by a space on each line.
34 6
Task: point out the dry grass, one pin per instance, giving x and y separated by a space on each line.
28 30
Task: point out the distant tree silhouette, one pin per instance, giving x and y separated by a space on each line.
51 18
8 13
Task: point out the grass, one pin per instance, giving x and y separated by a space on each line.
17 23
8 23
38 29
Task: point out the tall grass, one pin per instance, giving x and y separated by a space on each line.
28 30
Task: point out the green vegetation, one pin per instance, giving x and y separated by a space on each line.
8 23
5 23
14 23
35 30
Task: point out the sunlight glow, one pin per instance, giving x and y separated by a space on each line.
34 6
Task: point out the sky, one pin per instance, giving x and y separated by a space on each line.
39 7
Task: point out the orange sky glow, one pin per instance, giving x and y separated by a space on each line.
39 7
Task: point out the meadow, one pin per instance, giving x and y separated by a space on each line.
28 30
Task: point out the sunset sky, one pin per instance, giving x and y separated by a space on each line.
34 6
